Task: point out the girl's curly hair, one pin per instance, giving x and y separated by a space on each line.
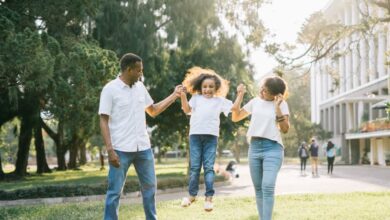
195 77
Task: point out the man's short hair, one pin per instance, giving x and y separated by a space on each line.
129 60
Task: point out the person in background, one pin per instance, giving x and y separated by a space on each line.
314 157
303 154
330 154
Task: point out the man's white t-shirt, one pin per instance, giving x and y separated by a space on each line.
126 108
205 114
263 121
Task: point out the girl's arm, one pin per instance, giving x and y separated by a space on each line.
237 112
281 119
184 103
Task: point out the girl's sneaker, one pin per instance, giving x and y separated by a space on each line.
185 202
208 205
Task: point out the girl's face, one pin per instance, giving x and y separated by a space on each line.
265 94
208 88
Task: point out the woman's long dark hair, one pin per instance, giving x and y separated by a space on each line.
330 145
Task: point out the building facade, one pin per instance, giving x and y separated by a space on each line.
344 90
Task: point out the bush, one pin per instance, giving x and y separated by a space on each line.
85 190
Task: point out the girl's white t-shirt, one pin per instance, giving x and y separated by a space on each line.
263 121
205 114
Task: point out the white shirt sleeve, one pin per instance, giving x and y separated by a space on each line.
248 106
105 104
148 100
192 102
226 106
284 108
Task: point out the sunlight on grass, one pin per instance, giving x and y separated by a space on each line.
356 206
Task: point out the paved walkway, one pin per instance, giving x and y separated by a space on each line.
344 179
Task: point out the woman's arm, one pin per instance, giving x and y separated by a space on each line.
282 120
237 112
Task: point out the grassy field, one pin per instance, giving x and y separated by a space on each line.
356 206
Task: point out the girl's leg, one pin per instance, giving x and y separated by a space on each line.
209 144
301 164
329 165
195 164
304 163
273 158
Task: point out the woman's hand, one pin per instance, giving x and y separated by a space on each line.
278 99
241 89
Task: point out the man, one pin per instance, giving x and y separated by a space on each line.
123 103
314 157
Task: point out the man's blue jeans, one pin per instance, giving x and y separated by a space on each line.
202 151
265 160
144 165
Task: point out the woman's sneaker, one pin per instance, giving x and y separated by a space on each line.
208 206
185 202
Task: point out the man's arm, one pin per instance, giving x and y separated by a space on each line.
156 109
113 158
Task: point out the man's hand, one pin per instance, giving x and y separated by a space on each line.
113 158
178 91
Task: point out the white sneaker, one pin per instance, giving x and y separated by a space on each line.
185 202
208 206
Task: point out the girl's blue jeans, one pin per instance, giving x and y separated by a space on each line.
202 152
265 159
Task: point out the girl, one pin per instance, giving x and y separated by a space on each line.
330 154
205 107
269 117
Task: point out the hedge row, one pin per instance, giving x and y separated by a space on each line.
85 190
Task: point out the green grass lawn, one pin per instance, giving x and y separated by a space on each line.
350 206
90 174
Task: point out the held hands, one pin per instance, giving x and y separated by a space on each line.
113 158
241 89
178 91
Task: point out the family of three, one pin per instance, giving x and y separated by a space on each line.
124 101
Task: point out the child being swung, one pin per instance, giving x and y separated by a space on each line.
205 106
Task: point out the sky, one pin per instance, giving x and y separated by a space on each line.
284 18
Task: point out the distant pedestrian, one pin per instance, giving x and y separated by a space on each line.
303 154
330 154
314 157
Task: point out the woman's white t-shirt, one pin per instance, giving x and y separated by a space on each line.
205 114
263 121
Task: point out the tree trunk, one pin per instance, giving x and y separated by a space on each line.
24 146
42 166
72 164
83 154
58 139
2 175
101 157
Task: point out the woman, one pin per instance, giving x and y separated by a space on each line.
269 116
330 154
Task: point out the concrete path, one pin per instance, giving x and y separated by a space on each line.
344 179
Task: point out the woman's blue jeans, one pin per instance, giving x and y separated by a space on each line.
202 151
144 166
265 159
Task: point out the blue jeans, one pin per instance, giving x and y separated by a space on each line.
265 160
202 151
144 166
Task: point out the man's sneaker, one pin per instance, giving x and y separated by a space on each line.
185 202
208 206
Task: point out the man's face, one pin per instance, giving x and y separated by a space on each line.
135 72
